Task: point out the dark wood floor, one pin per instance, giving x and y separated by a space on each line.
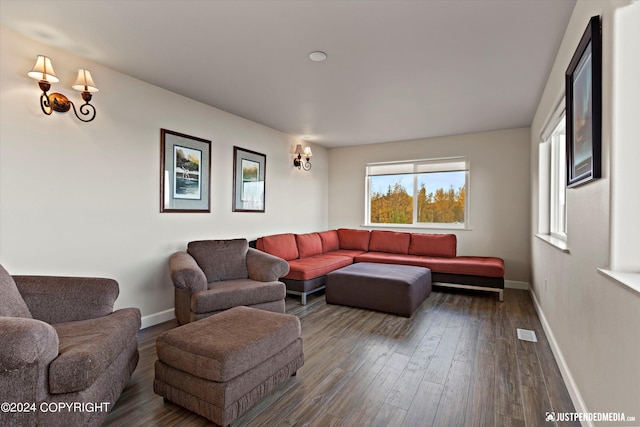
457 362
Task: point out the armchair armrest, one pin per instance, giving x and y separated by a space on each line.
25 342
265 267
186 273
55 299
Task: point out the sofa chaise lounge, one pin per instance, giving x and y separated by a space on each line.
311 256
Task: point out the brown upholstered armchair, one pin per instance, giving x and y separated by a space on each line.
215 275
62 343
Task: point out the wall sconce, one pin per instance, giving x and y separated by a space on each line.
43 72
298 162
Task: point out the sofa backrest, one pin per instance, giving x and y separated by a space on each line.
390 242
221 259
330 241
11 302
354 239
291 246
281 245
436 245
308 244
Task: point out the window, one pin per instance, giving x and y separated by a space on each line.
424 193
558 190
552 175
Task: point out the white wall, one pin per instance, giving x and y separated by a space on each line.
499 191
593 321
83 198
625 198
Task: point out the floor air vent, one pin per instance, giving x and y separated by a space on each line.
527 335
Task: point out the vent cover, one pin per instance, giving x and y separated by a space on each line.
527 335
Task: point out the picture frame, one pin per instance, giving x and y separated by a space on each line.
249 180
583 81
185 173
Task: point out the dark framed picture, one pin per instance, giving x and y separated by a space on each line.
185 173
249 180
584 108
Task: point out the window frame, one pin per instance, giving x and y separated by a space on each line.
558 181
551 185
434 165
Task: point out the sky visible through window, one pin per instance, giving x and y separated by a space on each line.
432 181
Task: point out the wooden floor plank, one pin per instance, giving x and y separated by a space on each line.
424 405
455 362
451 411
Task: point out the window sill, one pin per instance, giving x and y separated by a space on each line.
418 227
555 242
630 280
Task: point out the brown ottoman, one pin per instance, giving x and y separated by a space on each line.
220 366
392 288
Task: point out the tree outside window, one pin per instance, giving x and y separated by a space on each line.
428 192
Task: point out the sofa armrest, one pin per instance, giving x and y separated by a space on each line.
265 267
55 299
186 273
26 342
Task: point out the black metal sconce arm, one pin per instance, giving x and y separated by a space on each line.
59 103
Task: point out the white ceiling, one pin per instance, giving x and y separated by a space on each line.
396 69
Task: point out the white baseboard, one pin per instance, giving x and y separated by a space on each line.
576 396
156 318
514 284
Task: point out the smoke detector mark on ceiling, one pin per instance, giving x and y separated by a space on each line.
317 56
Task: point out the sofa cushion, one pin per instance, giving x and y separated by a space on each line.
221 259
316 266
436 245
11 302
351 253
232 293
470 265
330 241
389 241
354 239
88 347
387 258
281 245
308 244
473 266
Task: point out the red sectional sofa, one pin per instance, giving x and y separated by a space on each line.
312 255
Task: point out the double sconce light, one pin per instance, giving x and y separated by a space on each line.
43 72
298 160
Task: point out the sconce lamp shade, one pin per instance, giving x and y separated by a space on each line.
298 149
84 82
307 152
43 70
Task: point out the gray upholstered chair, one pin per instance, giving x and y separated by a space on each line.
61 342
215 275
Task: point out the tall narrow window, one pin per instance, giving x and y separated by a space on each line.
558 190
552 180
423 193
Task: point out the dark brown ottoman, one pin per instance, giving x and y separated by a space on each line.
220 366
392 288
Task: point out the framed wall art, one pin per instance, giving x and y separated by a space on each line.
584 108
185 173
249 180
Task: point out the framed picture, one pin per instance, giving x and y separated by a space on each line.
584 108
185 173
249 178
